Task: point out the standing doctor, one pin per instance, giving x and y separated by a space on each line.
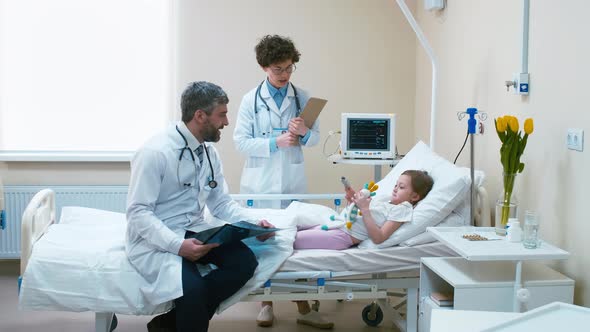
174 175
269 130
271 133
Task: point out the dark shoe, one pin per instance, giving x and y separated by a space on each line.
163 323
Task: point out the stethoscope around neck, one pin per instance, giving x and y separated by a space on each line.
212 183
257 95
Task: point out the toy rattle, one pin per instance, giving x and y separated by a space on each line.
352 211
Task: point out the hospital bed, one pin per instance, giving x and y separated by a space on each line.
108 284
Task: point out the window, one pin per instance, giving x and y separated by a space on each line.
83 76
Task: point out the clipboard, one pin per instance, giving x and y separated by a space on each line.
312 110
232 232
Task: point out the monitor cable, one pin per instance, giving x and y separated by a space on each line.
464 142
337 150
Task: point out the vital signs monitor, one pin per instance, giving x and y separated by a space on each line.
368 136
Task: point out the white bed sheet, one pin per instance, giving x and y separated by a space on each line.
80 264
361 261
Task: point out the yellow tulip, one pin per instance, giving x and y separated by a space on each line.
528 126
513 124
500 124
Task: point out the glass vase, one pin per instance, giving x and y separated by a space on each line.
507 203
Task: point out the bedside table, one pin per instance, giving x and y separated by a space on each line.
490 274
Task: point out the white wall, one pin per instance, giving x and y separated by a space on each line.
360 55
478 44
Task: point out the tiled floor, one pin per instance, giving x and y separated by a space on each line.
241 317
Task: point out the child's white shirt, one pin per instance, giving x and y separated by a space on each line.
382 211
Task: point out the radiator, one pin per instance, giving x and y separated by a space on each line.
110 198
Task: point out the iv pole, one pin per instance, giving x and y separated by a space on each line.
471 131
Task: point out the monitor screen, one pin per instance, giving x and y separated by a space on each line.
368 134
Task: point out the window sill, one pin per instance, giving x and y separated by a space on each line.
66 156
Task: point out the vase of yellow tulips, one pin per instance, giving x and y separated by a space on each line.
513 145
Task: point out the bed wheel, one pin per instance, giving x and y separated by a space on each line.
375 318
316 305
114 323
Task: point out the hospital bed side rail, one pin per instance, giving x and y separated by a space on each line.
37 217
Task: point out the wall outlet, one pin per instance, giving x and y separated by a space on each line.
575 139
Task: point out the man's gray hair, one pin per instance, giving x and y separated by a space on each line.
201 96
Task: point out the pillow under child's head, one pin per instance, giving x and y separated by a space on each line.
449 189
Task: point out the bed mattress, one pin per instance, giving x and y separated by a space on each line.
361 261
80 265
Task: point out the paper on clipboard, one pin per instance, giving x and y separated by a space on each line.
312 110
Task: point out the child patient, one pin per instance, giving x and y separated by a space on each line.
380 218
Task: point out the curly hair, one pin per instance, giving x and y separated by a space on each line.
274 49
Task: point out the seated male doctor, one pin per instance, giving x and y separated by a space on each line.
174 175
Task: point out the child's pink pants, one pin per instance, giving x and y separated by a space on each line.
316 238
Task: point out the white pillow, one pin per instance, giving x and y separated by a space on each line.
308 214
449 189
459 216
452 220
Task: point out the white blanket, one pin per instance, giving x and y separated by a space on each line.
80 265
271 254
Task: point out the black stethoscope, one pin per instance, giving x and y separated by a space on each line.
212 182
257 95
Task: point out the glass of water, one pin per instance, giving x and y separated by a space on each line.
531 230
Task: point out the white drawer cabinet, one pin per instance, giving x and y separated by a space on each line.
488 285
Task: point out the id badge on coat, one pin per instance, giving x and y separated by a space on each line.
276 132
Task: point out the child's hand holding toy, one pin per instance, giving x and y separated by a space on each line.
363 197
361 201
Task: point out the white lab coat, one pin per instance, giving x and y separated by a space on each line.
280 172
160 210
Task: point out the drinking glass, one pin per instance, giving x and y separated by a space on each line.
531 230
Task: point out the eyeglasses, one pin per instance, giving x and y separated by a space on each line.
278 70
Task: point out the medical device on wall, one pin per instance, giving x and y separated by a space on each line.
520 81
368 136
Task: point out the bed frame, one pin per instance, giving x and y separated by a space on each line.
284 286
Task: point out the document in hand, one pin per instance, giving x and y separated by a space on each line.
312 110
232 232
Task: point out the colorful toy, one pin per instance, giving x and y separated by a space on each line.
352 211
